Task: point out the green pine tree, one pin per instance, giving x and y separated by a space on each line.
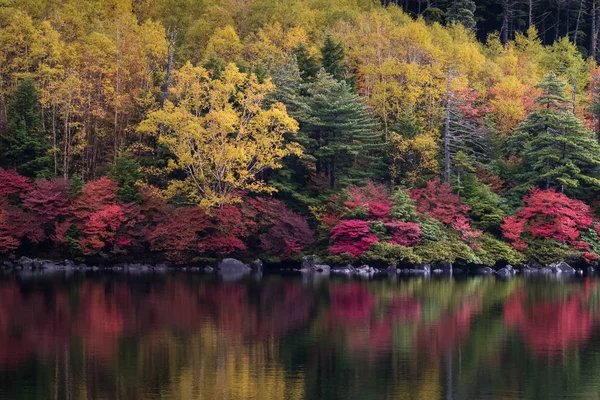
341 134
306 62
333 56
462 12
24 146
557 150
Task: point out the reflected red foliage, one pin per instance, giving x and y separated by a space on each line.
35 323
550 326
350 303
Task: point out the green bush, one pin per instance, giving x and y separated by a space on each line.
391 254
549 251
445 251
493 250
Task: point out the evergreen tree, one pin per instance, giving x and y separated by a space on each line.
557 150
306 62
333 55
23 145
462 12
341 134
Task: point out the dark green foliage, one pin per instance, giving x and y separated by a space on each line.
486 206
23 145
492 250
445 251
461 12
403 207
547 251
126 172
558 151
306 62
333 55
340 133
391 254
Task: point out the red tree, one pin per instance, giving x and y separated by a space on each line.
289 235
438 201
548 214
406 234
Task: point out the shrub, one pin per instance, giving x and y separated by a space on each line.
391 254
492 250
352 236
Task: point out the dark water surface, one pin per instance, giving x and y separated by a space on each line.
186 337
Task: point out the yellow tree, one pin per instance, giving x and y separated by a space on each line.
221 134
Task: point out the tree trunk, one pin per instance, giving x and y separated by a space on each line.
575 34
447 171
594 35
165 88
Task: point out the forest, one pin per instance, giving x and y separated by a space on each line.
393 132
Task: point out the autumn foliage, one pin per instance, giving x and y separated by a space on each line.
548 214
96 223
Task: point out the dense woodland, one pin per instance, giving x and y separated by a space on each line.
403 132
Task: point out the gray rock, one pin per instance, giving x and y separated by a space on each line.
509 267
438 271
392 269
504 273
579 271
545 270
233 264
484 271
561 267
322 268
208 269
308 262
160 267
590 270
231 269
257 264
8 264
25 263
347 270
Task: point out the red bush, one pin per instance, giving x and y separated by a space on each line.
405 234
289 235
548 214
373 198
352 236
49 199
438 201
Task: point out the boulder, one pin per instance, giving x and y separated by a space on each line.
504 273
257 264
324 268
590 270
232 264
7 264
208 269
392 270
347 270
438 271
425 268
25 263
561 267
231 269
308 262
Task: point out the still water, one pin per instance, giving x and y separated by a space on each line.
185 337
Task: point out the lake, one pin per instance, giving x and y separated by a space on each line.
189 336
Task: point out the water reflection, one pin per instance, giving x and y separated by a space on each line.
187 337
